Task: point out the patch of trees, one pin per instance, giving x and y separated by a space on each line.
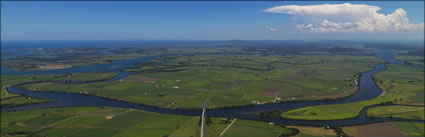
339 131
293 133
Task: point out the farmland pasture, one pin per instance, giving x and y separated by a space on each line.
233 80
244 128
401 84
231 74
408 112
411 129
314 131
118 122
385 129
418 60
9 99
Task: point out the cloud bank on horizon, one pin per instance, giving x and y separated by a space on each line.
272 29
348 18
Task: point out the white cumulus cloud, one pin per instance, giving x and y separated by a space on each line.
348 18
271 29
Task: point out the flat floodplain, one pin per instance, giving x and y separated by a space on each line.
184 77
117 122
234 80
401 84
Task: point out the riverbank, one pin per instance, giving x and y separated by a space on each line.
364 93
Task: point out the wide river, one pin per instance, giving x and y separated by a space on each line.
368 90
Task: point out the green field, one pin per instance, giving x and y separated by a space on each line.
8 99
117 122
314 132
244 128
409 112
401 84
89 121
411 129
186 81
85 56
233 80
418 60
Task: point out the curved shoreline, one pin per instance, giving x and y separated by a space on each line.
241 112
123 74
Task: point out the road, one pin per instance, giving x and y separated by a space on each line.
224 131
203 116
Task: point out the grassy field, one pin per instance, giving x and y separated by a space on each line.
314 132
8 99
55 58
418 60
185 81
409 112
244 128
88 121
117 122
89 76
411 129
386 129
401 84
234 80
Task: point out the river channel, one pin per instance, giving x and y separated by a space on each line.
367 90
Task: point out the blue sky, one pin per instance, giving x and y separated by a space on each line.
214 20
